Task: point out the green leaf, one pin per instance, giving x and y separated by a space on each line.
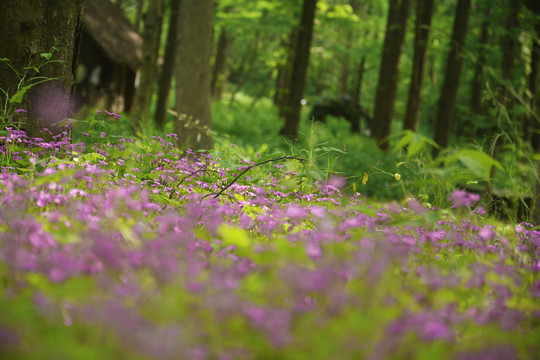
18 97
46 56
478 162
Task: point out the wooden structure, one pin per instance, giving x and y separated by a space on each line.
110 54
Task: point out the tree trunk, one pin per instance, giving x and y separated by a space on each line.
153 20
246 67
193 96
534 78
532 117
424 13
343 84
509 44
291 112
139 14
478 77
283 78
357 90
452 74
169 65
470 128
389 71
29 29
220 72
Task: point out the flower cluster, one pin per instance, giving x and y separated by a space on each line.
130 250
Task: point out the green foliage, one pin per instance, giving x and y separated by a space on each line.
28 78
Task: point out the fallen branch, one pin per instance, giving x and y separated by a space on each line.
285 157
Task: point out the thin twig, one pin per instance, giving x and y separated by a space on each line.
285 157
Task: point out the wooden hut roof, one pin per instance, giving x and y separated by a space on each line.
107 24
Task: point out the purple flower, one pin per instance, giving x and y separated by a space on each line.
462 198
20 111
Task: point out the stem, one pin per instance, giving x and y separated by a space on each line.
285 157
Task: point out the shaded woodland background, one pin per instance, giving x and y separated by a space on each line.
419 73
452 70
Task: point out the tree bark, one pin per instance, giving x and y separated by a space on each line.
246 67
193 95
153 20
478 77
452 74
283 78
168 68
220 72
29 29
389 71
532 118
139 14
509 54
343 85
291 112
424 14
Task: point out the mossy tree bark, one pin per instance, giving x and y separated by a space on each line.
29 32
193 94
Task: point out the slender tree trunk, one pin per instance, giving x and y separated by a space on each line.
247 68
29 29
532 118
509 44
220 72
534 79
262 91
343 84
478 77
291 112
357 90
169 65
139 14
452 74
283 78
396 28
151 41
193 95
424 13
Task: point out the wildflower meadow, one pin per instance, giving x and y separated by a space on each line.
114 248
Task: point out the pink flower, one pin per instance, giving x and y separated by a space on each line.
462 198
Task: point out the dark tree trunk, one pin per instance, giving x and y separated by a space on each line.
424 13
283 78
291 112
509 45
193 95
220 72
246 68
153 20
27 30
343 85
478 77
534 78
452 74
357 90
532 118
167 70
396 28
